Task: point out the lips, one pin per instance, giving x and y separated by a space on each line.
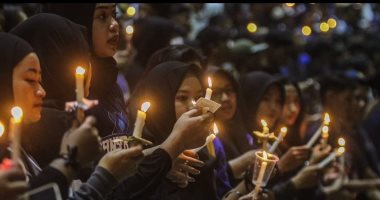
114 40
37 105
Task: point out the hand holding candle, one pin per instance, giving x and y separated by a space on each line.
333 155
140 121
15 132
278 140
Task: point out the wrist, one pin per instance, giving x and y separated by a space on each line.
67 170
172 146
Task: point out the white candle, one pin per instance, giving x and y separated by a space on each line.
279 139
210 145
79 79
341 143
265 133
2 129
316 135
208 90
15 132
261 175
331 157
140 120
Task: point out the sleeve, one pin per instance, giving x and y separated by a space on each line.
50 175
285 190
222 181
100 183
150 173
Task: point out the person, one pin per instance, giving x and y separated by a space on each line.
103 37
182 85
233 135
21 83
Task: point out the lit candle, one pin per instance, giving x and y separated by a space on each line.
140 121
265 133
341 143
79 79
281 136
261 175
2 129
210 144
129 31
316 135
15 132
325 136
208 90
331 157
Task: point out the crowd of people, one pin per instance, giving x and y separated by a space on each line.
268 66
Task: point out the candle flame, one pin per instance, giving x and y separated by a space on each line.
17 114
264 123
80 70
327 118
284 129
2 129
341 142
325 129
193 102
265 155
145 106
129 29
341 150
209 82
216 130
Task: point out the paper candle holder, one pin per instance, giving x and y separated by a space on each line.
203 103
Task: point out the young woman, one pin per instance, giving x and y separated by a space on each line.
171 87
21 83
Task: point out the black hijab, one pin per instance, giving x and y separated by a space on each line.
253 87
160 87
80 13
12 50
61 47
104 71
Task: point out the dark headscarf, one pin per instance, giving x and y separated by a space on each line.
160 88
12 50
61 47
253 87
80 13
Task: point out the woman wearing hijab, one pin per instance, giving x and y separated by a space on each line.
171 86
20 83
103 37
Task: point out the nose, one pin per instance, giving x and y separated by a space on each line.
114 26
292 107
41 92
224 96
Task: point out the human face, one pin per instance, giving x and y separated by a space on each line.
190 89
105 30
225 94
270 106
27 89
292 105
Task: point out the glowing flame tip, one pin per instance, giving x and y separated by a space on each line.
145 106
